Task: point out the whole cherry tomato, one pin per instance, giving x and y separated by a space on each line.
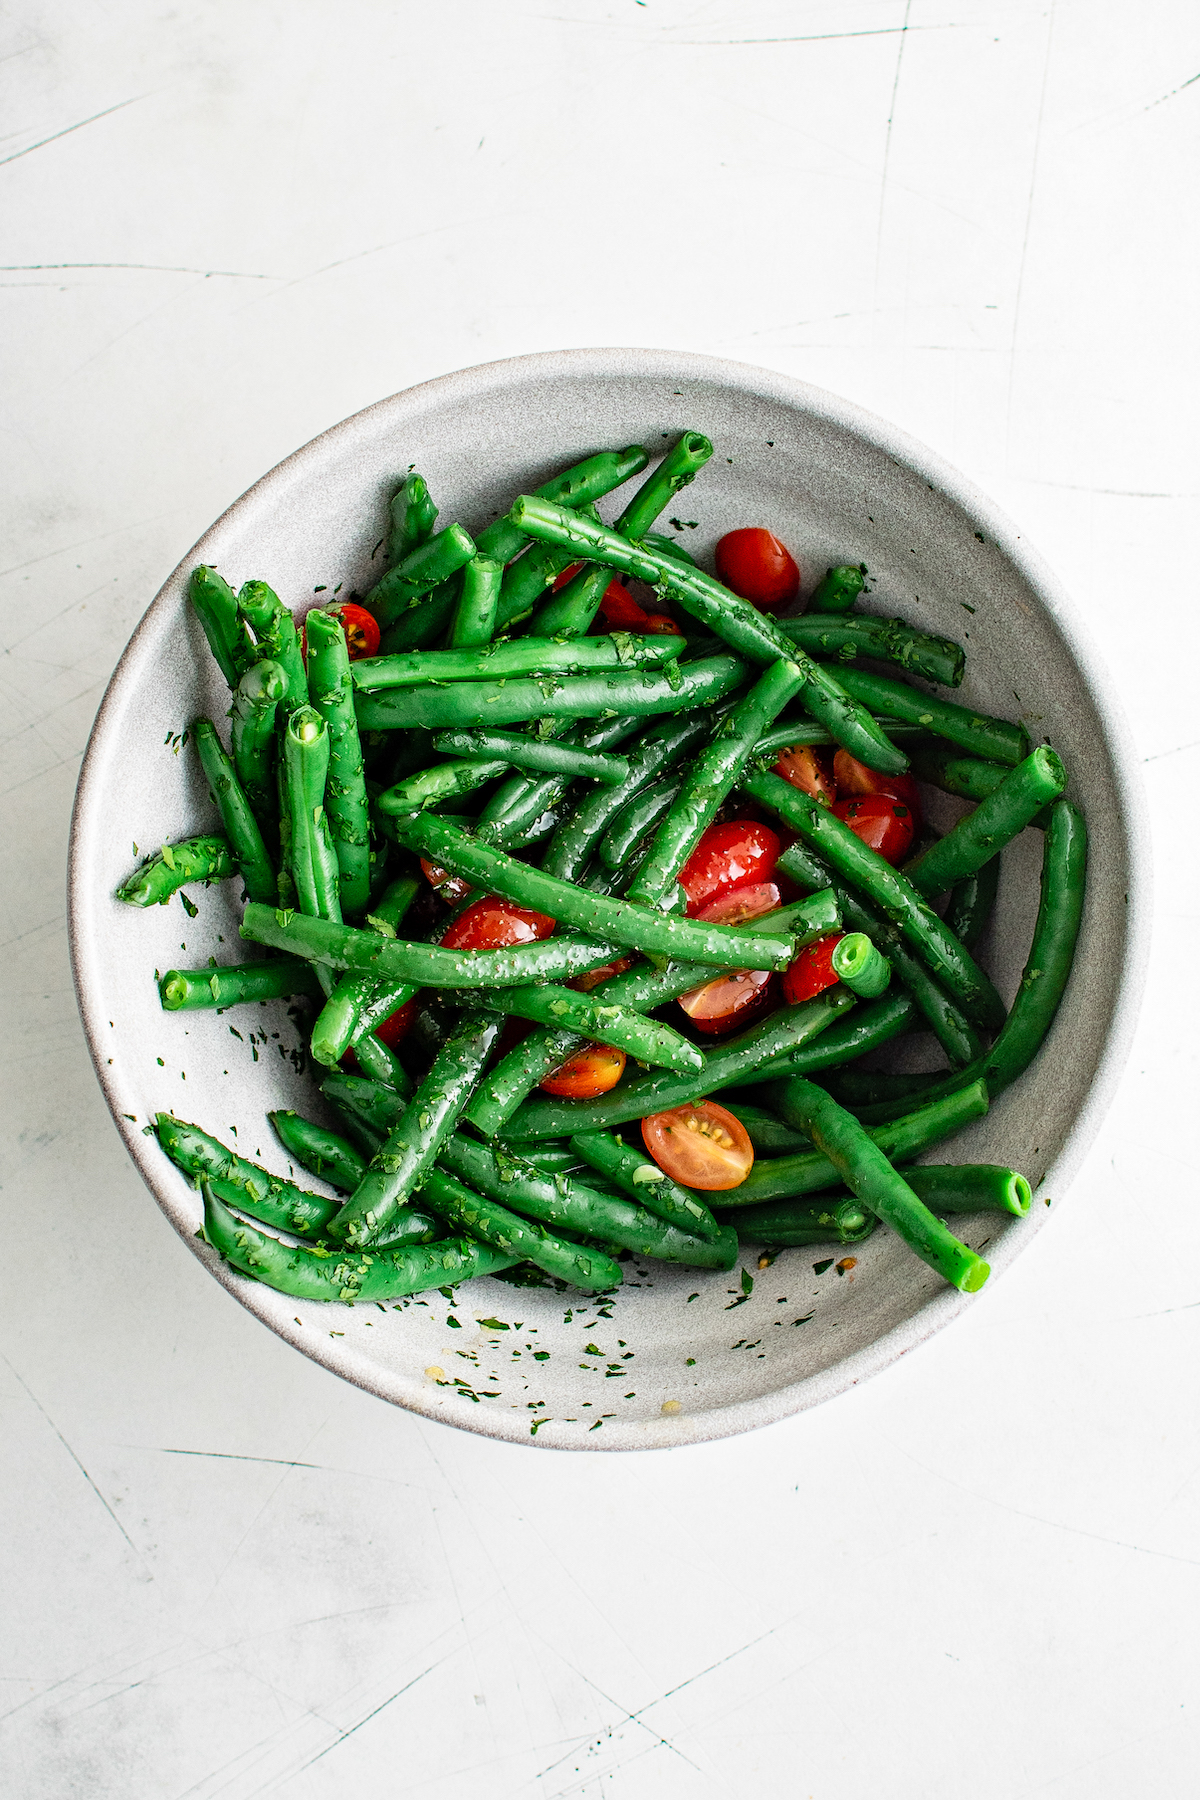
885 825
741 904
451 888
492 924
854 779
591 1071
740 853
808 769
733 999
701 1145
757 566
812 971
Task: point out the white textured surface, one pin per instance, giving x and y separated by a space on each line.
228 1574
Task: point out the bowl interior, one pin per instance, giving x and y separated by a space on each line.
838 486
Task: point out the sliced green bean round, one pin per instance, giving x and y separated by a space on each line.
861 965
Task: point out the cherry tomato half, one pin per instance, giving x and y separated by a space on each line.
396 1027
620 611
451 888
854 779
734 998
808 770
741 904
591 1071
812 971
702 1145
491 924
593 978
757 566
884 825
739 853
359 627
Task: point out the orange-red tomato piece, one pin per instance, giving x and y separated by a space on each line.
591 1071
700 1145
757 566
740 904
452 888
593 978
396 1027
492 924
807 769
812 971
359 628
884 825
733 999
854 779
739 853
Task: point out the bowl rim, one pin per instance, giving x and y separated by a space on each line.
653 365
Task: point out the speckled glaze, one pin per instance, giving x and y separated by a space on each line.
837 485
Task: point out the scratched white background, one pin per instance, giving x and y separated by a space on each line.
227 226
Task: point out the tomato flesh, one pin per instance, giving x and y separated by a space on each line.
396 1027
854 779
734 998
740 853
700 1145
741 904
884 825
451 888
492 924
812 971
591 1071
757 566
359 627
593 977
808 770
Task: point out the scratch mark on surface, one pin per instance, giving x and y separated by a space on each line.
375 1711
62 1440
818 37
146 268
1033 175
1163 98
68 129
83 544
1157 757
887 145
280 1462
1078 487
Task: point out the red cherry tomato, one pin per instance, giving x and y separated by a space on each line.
451 888
739 853
620 611
812 971
396 1027
491 924
734 998
591 1071
742 904
757 566
702 1145
568 574
593 978
359 627
807 770
854 779
884 824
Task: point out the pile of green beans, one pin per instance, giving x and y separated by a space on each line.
499 742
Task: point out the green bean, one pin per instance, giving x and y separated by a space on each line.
971 903
859 963
332 694
572 610
255 704
475 613
493 1224
278 639
742 626
194 859
970 1188
790 734
659 747
859 865
537 1056
543 754
706 784
241 826
424 620
381 1064
321 1151
314 861
441 782
359 1002
765 1130
888 640
411 518
526 580
216 607
729 1065
242 1183
838 589
783 1223
487 703
236 984
354 1096
645 1182
811 1171
877 1024
346 1274
286 885
579 486
872 1179
654 540
595 1017
439 557
559 1200
647 809
944 766
378 1201
616 921
976 839
531 657
974 731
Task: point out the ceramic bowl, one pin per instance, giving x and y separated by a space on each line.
682 1356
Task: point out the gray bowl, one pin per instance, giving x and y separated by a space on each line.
683 1356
